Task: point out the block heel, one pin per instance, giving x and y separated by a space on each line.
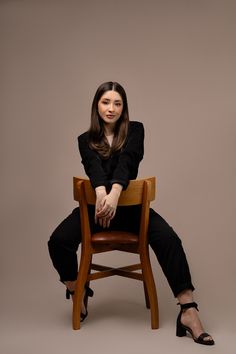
180 330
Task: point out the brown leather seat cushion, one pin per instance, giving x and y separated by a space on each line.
117 237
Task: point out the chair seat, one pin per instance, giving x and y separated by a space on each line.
114 237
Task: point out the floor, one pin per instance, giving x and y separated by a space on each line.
38 320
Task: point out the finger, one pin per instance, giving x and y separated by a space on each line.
108 214
103 213
99 211
113 214
100 215
97 208
100 222
109 218
103 202
107 222
104 222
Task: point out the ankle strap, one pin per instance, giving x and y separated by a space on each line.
88 290
188 305
69 293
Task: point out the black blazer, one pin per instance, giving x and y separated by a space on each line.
121 166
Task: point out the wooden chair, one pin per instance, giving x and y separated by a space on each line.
138 192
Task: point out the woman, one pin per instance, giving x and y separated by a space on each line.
111 151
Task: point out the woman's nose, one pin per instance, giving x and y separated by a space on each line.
111 108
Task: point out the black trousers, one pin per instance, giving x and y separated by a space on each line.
166 244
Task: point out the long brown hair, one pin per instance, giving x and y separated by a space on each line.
97 139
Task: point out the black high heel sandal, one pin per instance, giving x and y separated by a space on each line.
88 293
181 330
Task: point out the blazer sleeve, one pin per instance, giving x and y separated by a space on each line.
130 156
92 163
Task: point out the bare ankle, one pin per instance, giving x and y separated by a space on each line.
185 296
70 285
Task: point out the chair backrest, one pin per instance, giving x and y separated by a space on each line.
141 191
133 195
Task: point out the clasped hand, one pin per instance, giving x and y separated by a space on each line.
106 205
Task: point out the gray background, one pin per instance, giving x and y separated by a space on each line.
176 60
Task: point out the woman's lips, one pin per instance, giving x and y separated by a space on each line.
110 116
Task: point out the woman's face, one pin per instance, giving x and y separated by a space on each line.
110 107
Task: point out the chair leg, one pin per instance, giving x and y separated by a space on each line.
87 284
151 288
146 295
80 286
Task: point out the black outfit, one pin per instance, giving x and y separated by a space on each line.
120 167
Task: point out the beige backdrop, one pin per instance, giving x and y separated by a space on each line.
176 60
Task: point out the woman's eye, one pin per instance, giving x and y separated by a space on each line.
118 104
